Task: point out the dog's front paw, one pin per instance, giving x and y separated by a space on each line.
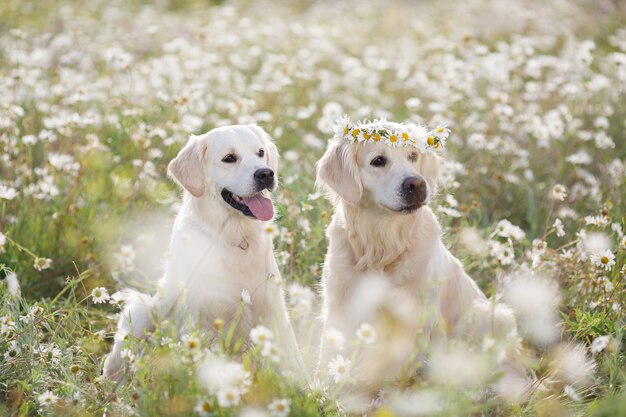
112 368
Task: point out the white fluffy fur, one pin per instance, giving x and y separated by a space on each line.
216 251
390 268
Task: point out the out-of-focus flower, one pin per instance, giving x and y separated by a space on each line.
100 295
7 193
558 226
559 192
228 397
203 408
279 407
260 335
47 398
42 263
335 339
13 285
506 229
366 333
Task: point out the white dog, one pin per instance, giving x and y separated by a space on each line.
387 272
218 246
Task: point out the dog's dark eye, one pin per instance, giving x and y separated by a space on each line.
229 159
379 161
261 153
413 157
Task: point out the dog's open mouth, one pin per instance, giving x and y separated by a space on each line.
256 206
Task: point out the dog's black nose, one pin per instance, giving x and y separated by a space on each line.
264 177
414 190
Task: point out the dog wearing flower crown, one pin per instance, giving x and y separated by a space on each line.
387 270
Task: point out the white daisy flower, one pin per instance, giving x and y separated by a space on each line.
335 338
228 397
190 342
261 335
604 260
394 138
279 407
203 408
245 296
270 351
366 333
118 298
100 295
339 368
47 398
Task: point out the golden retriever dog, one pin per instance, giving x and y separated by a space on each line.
218 247
388 277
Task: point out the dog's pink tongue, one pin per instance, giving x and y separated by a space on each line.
260 206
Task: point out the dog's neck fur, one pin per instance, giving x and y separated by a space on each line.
233 228
379 240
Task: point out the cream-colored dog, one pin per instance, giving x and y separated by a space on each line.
218 246
387 274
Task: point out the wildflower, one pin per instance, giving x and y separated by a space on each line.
335 338
3 242
47 398
270 351
12 351
604 260
245 296
279 407
228 397
118 298
203 408
558 226
559 192
190 342
506 229
502 252
7 193
42 263
366 333
100 295
339 368
596 220
260 335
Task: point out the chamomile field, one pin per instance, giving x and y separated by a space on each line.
96 97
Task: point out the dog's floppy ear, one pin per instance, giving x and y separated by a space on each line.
430 168
271 149
188 167
338 172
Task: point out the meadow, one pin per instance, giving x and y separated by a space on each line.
96 97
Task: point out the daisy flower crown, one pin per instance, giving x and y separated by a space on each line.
391 133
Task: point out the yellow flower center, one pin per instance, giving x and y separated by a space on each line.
604 260
280 407
431 141
192 344
393 138
355 133
376 137
341 369
367 136
405 136
207 407
230 396
74 368
440 130
345 130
